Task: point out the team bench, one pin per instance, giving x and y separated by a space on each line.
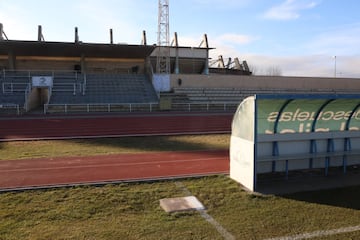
307 151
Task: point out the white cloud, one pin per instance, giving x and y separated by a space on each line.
17 26
93 19
289 10
348 66
342 40
224 45
228 40
310 65
226 51
189 41
306 65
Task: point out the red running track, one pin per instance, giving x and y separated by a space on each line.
69 171
113 126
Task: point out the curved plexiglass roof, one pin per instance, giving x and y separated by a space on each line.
297 114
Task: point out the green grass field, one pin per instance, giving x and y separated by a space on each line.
90 147
132 211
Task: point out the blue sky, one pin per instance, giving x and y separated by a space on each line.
299 37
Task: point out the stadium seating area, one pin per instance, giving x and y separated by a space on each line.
231 95
122 92
130 88
12 92
13 86
210 94
104 88
75 88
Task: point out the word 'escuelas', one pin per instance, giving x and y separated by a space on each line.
301 121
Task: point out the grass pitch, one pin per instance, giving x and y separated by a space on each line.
91 147
132 211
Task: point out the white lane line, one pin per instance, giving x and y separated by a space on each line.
108 165
321 233
112 136
221 230
109 181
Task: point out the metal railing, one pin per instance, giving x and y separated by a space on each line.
207 106
139 107
106 107
64 87
30 73
6 107
10 87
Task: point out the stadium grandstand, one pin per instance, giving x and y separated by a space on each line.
65 77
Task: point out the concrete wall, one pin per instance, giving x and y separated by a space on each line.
114 65
23 63
263 82
4 62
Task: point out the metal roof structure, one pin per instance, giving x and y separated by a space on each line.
64 49
316 113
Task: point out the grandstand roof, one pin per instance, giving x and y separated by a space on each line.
66 49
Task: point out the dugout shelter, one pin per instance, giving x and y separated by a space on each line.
285 133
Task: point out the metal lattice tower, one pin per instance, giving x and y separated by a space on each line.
163 41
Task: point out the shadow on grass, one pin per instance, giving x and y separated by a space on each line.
105 146
158 143
335 189
348 197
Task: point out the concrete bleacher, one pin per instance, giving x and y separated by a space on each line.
13 86
12 91
67 87
107 89
72 88
227 98
211 95
67 82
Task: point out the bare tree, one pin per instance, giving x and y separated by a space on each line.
270 71
273 71
254 69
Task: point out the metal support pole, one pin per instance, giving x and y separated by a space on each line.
76 35
1 32
163 43
111 37
144 41
40 35
334 66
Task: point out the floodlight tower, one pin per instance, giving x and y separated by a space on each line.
163 40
